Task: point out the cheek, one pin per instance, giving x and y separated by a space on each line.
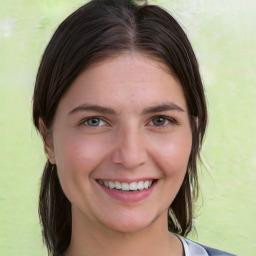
76 159
78 155
172 153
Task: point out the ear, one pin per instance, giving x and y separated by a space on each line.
48 142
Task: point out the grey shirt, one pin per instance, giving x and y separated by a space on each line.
194 249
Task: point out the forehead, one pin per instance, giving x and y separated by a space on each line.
128 80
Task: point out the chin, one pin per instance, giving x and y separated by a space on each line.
129 224
127 227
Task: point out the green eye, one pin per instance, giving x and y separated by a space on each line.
159 121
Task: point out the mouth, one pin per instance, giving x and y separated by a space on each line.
127 186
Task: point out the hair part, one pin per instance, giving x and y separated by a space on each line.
100 29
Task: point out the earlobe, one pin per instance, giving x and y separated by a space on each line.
48 142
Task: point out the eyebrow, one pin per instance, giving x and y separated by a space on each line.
110 111
94 108
163 107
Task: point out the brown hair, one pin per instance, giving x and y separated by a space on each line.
100 29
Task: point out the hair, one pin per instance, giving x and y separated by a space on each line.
100 29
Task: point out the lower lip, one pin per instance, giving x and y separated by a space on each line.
129 197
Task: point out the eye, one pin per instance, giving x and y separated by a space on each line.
162 121
94 121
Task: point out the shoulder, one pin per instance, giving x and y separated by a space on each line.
192 248
216 252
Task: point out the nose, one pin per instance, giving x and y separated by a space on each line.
130 149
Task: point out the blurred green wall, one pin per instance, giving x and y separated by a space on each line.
223 33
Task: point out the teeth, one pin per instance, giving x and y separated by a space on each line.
133 186
105 183
118 185
111 184
141 185
125 186
146 185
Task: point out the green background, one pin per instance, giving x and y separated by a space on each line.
223 33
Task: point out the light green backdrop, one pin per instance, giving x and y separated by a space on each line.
223 33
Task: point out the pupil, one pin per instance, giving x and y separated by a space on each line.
93 121
159 121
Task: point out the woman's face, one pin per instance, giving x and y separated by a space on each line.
121 140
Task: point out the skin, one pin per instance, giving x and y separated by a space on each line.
129 142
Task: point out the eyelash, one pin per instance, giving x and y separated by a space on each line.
171 120
91 118
100 119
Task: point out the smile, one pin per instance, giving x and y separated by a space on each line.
128 192
125 186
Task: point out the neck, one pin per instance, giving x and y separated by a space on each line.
95 239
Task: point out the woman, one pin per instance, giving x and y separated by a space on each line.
120 106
